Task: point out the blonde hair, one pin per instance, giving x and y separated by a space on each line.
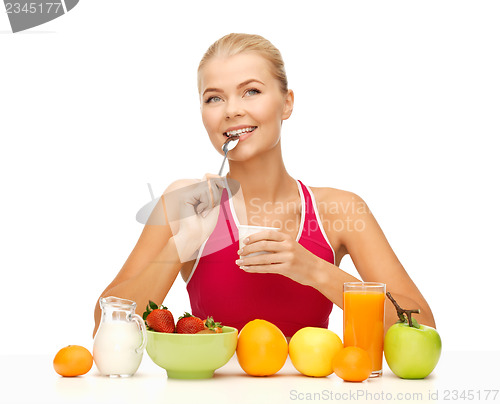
234 44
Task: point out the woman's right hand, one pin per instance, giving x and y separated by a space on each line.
192 209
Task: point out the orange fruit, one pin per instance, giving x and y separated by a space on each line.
352 364
262 348
73 360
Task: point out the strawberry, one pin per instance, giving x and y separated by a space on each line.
158 318
189 324
210 324
206 331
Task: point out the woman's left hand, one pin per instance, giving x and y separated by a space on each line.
284 256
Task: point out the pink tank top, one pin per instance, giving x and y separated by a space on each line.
217 287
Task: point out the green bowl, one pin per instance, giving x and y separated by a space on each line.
192 356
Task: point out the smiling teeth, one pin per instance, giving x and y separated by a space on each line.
240 131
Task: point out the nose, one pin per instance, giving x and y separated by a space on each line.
234 108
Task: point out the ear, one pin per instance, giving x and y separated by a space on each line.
288 106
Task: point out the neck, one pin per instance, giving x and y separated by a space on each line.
263 176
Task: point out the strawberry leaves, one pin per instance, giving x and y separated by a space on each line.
158 318
212 325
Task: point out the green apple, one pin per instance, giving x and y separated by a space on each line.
411 351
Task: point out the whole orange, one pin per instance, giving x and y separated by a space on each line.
262 348
73 360
352 364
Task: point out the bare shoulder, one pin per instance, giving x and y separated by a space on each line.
331 193
338 203
342 213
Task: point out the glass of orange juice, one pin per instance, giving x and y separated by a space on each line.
364 304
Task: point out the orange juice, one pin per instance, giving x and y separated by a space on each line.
364 320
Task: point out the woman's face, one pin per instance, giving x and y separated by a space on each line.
239 93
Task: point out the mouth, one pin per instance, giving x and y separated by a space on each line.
239 132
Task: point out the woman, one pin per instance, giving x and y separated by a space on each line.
244 91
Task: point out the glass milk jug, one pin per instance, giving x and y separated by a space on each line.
121 338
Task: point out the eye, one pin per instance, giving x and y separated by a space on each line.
212 99
252 91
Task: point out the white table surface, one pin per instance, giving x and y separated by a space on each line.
32 379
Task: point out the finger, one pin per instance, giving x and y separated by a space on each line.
261 259
274 235
206 202
210 196
195 195
219 184
266 269
191 208
264 245
213 184
198 194
210 192
208 176
202 209
216 190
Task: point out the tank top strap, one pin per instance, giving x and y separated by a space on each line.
313 227
308 205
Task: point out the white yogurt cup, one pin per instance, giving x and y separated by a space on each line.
246 230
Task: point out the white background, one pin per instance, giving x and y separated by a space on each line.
395 101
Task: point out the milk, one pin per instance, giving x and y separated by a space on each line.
115 348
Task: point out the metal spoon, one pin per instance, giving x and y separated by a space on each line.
228 145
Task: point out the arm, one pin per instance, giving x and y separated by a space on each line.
374 259
181 220
148 273
369 249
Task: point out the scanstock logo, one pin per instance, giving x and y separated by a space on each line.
28 14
